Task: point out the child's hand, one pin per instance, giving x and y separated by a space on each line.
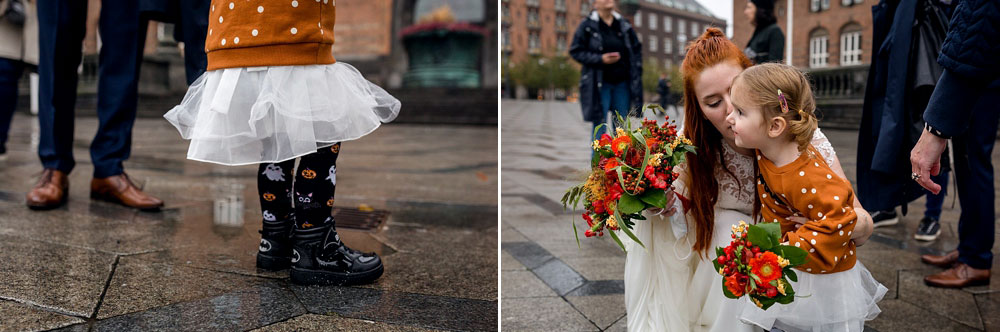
670 208
798 219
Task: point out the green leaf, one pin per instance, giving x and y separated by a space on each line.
765 301
760 237
654 197
795 255
617 240
773 230
629 204
576 232
791 275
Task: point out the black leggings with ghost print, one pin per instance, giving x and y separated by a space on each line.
311 196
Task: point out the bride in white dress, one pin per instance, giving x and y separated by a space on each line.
671 285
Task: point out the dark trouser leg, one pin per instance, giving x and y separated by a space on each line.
620 101
274 185
315 183
123 37
934 202
974 173
605 95
191 30
10 73
60 36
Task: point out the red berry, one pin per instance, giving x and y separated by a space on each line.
772 292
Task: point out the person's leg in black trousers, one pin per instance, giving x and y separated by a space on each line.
319 256
10 73
192 30
60 34
974 179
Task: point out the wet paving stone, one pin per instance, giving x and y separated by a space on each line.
426 311
65 279
18 316
317 323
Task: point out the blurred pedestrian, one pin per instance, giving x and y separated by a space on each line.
274 93
611 79
663 90
963 108
900 82
18 50
767 44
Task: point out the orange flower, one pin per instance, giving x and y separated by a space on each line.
734 286
652 142
620 144
766 267
611 163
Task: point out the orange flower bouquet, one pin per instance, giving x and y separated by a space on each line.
755 264
630 173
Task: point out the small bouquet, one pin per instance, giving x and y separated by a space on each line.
630 173
757 265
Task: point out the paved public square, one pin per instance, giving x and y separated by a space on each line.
95 266
549 284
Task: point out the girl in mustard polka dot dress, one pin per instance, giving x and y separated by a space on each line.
273 92
774 114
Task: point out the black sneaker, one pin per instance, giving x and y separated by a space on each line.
928 230
275 252
320 258
885 218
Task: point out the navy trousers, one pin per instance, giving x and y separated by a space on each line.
123 32
10 72
974 175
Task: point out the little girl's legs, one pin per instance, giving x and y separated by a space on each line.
318 255
274 185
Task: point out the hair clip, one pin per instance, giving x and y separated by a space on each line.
782 102
803 114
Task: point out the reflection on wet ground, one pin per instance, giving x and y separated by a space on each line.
95 266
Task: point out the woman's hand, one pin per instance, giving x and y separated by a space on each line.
671 209
610 57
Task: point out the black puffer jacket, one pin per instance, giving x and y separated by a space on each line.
587 49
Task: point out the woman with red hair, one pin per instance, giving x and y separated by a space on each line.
671 285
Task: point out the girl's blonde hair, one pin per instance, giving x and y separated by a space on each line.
794 102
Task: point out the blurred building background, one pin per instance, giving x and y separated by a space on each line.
829 39
536 35
439 57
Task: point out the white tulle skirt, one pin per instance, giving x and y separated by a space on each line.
840 301
239 116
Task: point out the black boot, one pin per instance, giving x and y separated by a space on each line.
275 252
320 258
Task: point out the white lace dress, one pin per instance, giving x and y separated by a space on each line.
669 288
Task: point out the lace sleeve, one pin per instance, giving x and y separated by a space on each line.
824 147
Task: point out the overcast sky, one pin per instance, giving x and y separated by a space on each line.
723 9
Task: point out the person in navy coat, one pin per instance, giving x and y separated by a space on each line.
122 29
963 108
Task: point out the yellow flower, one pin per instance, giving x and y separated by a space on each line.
597 144
619 132
720 271
757 303
783 262
655 159
612 222
781 287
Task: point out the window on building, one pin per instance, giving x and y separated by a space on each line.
534 44
560 20
584 8
531 3
694 28
561 43
652 43
652 21
666 24
850 2
850 45
637 19
668 63
680 26
681 39
668 45
533 17
819 48
506 38
560 5
819 5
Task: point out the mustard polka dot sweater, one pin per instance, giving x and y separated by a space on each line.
808 186
250 33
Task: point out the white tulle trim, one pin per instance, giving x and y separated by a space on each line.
240 116
840 301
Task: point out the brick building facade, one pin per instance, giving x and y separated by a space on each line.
539 27
824 34
666 26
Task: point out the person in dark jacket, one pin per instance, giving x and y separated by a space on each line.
610 52
963 108
907 38
767 44
663 90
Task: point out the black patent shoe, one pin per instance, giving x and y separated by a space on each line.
275 251
320 258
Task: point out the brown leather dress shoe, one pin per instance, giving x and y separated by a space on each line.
50 192
959 276
120 189
945 261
